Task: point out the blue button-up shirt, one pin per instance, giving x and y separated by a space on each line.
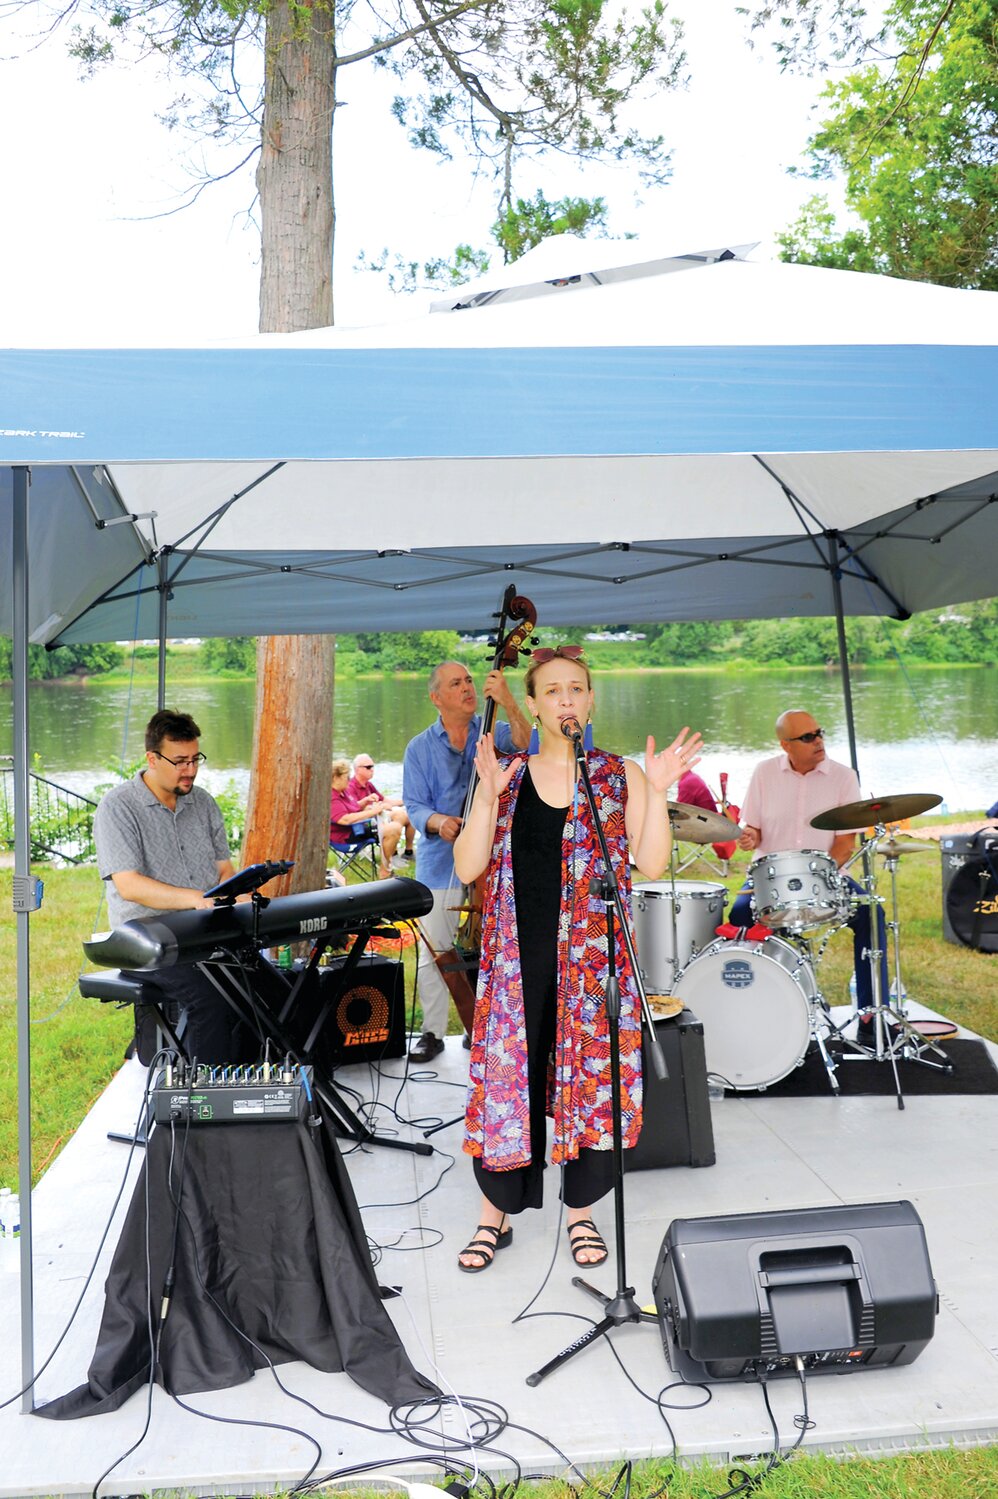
435 778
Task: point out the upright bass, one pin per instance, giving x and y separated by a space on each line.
458 965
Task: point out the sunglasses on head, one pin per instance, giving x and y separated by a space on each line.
571 652
807 738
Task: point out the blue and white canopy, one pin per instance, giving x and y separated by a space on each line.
699 438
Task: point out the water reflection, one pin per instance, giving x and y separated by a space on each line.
927 731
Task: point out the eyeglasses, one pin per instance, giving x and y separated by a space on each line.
572 652
194 760
807 738
365 765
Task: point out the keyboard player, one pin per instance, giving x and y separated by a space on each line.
161 843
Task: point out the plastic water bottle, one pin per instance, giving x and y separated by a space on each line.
894 991
852 988
10 1229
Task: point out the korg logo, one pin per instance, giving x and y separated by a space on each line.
312 924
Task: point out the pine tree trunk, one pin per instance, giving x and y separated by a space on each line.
288 812
295 174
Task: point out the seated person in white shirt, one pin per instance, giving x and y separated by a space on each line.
785 792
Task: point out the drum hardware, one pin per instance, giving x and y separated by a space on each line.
893 1035
761 1009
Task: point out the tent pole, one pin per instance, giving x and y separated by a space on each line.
23 905
161 566
840 628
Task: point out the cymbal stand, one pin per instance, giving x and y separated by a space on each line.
893 1035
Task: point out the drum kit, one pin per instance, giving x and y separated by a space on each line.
757 992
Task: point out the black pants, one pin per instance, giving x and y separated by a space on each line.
587 1178
213 1033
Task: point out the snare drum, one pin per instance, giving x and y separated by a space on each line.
798 890
755 1002
699 907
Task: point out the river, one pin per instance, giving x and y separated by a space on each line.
924 731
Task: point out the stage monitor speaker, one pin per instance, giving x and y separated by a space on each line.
965 858
842 1288
676 1127
366 1022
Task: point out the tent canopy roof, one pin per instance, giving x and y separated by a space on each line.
662 445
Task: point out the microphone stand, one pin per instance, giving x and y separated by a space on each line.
622 1307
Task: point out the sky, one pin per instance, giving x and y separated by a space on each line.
88 171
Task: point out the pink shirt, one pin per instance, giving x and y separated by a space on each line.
780 802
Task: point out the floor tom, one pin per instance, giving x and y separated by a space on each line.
699 910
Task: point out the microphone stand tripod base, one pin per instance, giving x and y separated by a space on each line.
618 1311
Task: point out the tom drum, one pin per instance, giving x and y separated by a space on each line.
798 890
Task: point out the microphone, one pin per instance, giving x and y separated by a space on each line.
572 729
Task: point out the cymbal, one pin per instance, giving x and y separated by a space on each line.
697 825
890 849
877 809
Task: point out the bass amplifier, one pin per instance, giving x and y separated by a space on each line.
970 889
838 1288
366 1019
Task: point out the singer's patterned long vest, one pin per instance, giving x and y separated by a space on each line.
497 1123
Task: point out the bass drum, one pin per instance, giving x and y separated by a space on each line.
754 1000
699 912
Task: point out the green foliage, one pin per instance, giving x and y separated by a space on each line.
917 142
416 652
521 226
233 655
65 661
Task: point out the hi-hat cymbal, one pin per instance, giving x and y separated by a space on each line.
878 809
697 825
891 850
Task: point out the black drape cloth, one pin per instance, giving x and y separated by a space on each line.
271 1229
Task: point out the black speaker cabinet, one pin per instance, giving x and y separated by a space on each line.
676 1128
842 1288
366 1018
970 889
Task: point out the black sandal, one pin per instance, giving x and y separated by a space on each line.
483 1249
591 1240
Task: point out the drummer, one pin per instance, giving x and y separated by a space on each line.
784 793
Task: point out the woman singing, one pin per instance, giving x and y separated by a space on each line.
541 1043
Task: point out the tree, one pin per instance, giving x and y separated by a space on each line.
506 82
918 144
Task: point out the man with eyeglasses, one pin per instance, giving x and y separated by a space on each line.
362 789
783 794
161 844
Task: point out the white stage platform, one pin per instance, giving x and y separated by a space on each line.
941 1152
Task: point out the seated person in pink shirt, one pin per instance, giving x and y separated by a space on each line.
693 791
785 792
345 814
396 818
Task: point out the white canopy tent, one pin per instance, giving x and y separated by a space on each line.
732 440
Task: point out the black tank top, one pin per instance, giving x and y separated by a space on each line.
535 846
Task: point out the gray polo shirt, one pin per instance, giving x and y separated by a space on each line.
133 830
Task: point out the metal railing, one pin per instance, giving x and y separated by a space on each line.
62 821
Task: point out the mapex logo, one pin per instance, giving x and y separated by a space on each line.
313 924
737 974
